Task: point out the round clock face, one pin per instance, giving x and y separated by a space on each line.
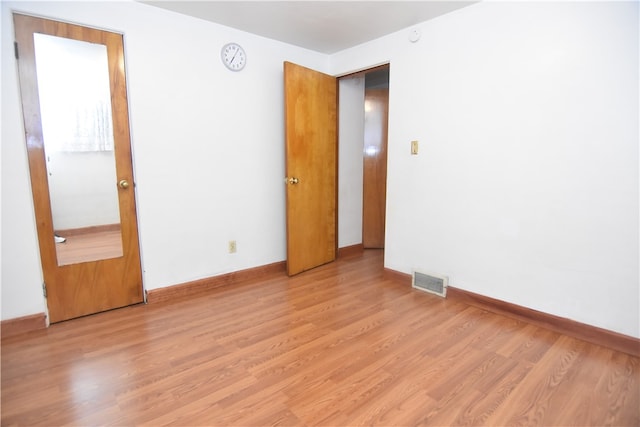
233 56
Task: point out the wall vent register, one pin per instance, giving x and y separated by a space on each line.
432 283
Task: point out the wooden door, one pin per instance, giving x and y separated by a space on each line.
375 168
81 288
311 145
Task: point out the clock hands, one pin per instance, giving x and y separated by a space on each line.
233 57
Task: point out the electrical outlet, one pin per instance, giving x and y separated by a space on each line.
414 147
232 246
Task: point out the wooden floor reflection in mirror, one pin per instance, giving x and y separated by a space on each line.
89 244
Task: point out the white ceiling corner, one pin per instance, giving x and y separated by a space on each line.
322 26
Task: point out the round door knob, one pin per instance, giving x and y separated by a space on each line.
293 181
124 184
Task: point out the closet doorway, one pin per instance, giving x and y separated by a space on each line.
362 167
374 181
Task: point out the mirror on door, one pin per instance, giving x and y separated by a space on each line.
77 127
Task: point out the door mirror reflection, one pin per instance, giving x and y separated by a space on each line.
77 127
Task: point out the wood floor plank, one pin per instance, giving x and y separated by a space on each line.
90 246
478 412
337 345
532 402
618 390
408 411
530 344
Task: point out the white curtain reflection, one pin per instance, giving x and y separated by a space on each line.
75 93
77 130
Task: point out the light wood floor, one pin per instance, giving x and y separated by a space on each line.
335 346
91 246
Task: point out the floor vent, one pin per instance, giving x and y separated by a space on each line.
431 283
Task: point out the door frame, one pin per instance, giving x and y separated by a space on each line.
363 72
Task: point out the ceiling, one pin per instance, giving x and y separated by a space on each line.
322 26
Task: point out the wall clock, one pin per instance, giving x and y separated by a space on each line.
233 56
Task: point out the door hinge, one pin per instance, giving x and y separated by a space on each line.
44 289
15 49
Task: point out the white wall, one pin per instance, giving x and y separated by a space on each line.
350 162
208 147
20 272
83 190
526 185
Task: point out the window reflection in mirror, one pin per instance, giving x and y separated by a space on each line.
75 107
